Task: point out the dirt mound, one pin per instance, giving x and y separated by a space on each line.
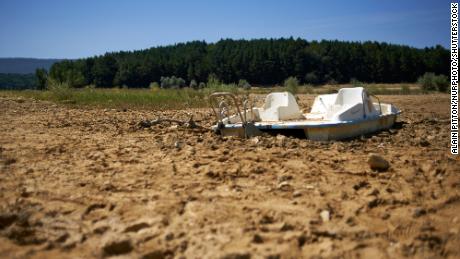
92 183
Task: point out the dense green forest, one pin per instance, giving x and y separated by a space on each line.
18 81
260 62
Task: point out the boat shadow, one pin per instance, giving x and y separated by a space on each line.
300 134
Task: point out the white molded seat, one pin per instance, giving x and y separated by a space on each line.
280 106
351 104
348 104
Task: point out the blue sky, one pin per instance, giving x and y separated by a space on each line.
73 29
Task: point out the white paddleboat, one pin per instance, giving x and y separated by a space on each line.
346 114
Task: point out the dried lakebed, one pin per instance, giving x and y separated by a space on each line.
92 183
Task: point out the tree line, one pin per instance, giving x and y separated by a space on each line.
18 81
260 62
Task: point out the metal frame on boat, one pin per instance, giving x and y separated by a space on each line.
346 114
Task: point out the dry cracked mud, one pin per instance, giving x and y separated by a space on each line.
85 183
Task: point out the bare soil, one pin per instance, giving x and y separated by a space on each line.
84 183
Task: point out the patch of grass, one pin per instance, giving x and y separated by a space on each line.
162 99
116 98
373 88
292 85
155 98
405 89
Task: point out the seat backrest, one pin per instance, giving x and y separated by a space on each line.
323 102
277 100
350 96
355 99
280 106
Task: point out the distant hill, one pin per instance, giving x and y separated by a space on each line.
24 65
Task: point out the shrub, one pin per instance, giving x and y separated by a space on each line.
201 85
427 82
61 91
442 83
193 84
292 85
431 82
154 86
172 82
244 84
180 82
213 81
356 83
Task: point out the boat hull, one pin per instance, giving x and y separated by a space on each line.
319 130
350 130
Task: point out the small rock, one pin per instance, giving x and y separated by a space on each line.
255 140
116 245
376 162
310 187
325 215
284 186
178 144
